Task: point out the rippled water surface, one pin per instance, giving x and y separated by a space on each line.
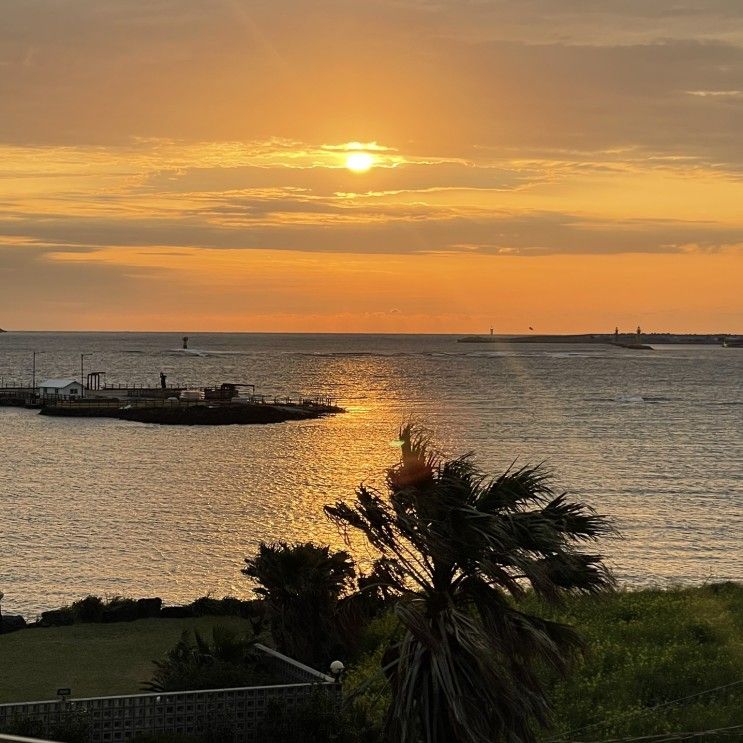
653 438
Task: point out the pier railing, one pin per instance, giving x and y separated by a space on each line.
138 397
156 402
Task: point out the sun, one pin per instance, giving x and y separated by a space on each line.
359 162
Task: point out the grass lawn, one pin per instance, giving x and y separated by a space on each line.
91 659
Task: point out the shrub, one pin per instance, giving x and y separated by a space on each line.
227 606
319 718
228 660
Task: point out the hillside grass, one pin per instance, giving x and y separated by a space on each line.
648 649
644 651
92 659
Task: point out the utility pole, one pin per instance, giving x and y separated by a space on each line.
33 375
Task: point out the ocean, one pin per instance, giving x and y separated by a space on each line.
654 439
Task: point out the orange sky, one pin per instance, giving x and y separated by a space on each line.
177 165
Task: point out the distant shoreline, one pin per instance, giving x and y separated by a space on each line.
503 337
623 339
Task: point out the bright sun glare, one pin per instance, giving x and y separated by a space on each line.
359 162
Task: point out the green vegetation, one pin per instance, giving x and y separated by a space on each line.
646 649
643 651
92 659
122 609
301 585
318 719
456 550
228 659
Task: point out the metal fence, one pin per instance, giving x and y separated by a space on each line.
120 718
63 401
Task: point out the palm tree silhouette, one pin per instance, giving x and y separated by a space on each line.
301 585
458 550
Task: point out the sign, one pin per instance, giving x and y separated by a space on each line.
64 692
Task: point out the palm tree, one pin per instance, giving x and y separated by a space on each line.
458 550
301 585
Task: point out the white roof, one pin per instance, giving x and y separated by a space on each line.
58 383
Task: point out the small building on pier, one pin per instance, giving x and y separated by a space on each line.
60 388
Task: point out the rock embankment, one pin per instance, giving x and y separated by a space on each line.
196 415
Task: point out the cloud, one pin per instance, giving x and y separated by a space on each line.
393 231
425 78
141 143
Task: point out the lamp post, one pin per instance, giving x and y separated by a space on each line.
34 354
336 671
82 375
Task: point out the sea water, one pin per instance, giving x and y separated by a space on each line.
653 439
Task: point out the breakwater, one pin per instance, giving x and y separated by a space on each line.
181 414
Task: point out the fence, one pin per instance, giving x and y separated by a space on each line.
63 401
120 718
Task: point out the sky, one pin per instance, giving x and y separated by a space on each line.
569 165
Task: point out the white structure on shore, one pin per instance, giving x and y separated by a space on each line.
61 388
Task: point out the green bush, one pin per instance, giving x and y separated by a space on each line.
227 660
643 651
320 718
227 606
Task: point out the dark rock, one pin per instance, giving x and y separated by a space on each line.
149 607
57 617
120 611
11 623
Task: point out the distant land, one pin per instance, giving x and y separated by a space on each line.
623 339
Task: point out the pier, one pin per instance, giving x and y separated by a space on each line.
176 405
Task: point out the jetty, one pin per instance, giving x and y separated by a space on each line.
646 341
221 405
192 412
